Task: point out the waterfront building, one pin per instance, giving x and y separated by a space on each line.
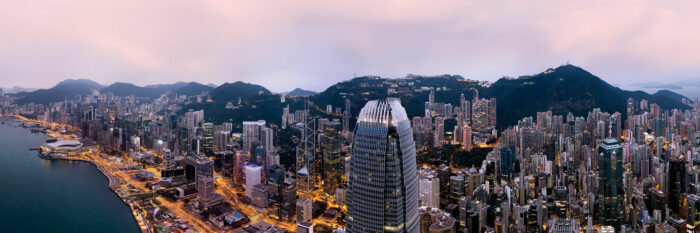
383 187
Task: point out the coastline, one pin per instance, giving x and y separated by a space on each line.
113 181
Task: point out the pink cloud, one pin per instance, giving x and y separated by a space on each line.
278 43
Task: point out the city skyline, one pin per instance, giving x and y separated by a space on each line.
634 45
350 117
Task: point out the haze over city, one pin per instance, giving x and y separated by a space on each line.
281 45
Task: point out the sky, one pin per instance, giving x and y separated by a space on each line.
313 44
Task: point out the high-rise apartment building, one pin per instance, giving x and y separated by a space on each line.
251 133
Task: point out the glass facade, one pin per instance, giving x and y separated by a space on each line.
383 184
610 183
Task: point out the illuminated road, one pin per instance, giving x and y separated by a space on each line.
230 192
177 208
125 178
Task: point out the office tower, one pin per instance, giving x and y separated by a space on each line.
305 227
306 156
332 152
383 187
251 134
259 195
456 187
340 196
473 181
275 179
203 169
464 206
676 184
272 159
610 188
208 138
565 226
198 166
205 187
252 177
692 211
282 193
304 210
429 191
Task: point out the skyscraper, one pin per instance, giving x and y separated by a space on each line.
252 177
306 156
383 187
304 210
429 191
676 184
208 138
251 133
332 152
610 183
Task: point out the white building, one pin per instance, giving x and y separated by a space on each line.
251 132
252 177
429 191
305 227
304 210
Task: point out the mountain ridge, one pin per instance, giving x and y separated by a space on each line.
300 92
561 90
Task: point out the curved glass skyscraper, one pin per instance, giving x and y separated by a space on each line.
383 184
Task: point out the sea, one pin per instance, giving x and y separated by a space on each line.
38 195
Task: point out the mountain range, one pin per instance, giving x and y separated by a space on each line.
300 92
17 89
66 89
70 88
563 89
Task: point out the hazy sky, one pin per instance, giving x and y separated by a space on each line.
313 44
